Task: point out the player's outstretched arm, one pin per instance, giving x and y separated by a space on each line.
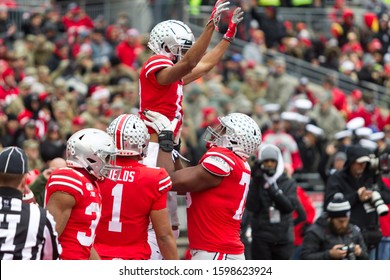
195 53
211 58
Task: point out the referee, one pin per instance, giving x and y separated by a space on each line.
27 231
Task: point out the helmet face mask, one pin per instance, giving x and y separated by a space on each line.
130 135
237 132
93 150
171 38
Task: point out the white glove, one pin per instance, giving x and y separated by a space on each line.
219 8
159 122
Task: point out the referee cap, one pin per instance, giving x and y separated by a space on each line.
13 160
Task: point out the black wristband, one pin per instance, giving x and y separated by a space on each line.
177 146
165 140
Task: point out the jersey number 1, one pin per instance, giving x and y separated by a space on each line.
115 224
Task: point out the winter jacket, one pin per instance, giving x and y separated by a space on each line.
342 181
319 240
259 202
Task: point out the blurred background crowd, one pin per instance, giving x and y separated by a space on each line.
314 74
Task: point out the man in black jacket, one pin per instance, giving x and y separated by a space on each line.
332 236
272 199
360 185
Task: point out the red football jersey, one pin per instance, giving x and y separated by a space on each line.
79 234
165 99
214 215
126 206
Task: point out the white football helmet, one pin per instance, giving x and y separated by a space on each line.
237 132
92 149
174 35
130 135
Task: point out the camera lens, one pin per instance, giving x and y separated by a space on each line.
378 203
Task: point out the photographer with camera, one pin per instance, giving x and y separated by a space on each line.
332 236
271 200
363 188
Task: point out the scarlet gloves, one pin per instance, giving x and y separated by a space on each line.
238 16
219 7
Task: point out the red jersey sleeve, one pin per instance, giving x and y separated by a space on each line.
216 163
156 63
66 180
163 185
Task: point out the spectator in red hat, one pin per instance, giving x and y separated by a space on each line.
348 25
371 21
8 86
369 111
78 123
129 48
354 101
374 45
210 118
112 35
76 18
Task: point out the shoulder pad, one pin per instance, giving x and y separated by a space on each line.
216 165
156 63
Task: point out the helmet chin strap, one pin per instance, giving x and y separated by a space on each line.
87 167
93 173
165 51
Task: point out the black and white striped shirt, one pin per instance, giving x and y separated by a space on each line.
27 231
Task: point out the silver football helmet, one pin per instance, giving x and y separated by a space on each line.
94 150
130 135
237 132
174 35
